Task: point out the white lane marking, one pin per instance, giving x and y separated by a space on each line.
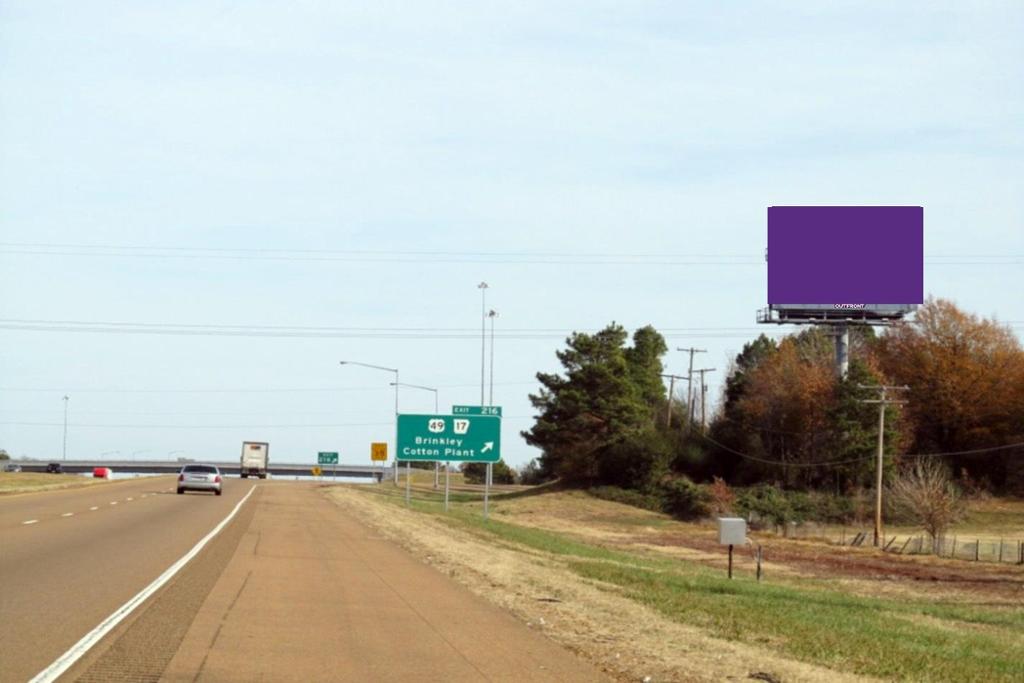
113 502
66 660
68 514
94 507
131 499
30 521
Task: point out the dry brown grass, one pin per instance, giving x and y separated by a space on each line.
627 639
30 482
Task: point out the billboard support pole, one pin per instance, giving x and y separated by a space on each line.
842 334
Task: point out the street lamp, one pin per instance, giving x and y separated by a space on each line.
172 453
492 315
105 453
134 453
483 331
437 464
396 384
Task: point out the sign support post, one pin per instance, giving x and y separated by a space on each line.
470 434
487 487
447 470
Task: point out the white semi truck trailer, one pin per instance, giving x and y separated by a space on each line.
255 459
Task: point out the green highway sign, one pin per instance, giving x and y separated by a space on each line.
468 438
476 410
323 458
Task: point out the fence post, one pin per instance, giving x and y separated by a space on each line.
953 554
905 544
977 549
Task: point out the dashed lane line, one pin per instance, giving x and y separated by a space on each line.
52 672
94 507
30 521
68 514
113 502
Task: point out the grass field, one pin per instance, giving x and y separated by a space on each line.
859 612
26 482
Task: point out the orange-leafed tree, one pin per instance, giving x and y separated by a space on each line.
966 379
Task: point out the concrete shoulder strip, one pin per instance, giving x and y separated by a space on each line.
62 663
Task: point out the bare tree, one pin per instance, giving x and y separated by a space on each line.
925 493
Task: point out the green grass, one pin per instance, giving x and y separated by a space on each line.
807 620
830 628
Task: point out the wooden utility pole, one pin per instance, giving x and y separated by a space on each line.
671 393
882 402
689 386
703 392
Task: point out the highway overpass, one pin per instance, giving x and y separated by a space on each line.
284 469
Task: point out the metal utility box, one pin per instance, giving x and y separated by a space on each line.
732 531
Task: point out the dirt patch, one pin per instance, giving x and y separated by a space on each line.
625 638
864 571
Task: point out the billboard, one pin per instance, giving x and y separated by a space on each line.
838 261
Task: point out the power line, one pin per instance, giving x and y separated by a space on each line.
434 257
178 426
243 391
831 463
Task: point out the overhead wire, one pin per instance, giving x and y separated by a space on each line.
832 463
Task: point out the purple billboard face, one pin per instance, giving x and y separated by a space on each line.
845 256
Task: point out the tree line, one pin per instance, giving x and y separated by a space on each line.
784 417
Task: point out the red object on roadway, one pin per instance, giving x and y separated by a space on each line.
102 472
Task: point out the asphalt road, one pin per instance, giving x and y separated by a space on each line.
70 558
293 589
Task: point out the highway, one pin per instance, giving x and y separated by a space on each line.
293 588
69 558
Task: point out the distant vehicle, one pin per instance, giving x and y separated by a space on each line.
12 468
255 459
102 472
54 468
199 478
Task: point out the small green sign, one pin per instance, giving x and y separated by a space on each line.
476 410
323 458
469 438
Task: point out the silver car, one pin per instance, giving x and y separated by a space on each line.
199 478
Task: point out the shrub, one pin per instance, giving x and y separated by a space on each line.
531 474
476 472
684 499
925 493
646 501
721 497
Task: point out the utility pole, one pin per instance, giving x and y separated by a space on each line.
703 392
671 392
483 335
882 402
66 399
689 385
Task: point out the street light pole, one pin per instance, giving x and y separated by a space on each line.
436 466
396 383
483 331
492 315
65 451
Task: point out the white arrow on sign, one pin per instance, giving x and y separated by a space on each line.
488 446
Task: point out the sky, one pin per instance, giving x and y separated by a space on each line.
205 206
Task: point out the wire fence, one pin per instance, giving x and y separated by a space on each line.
1004 551
957 547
